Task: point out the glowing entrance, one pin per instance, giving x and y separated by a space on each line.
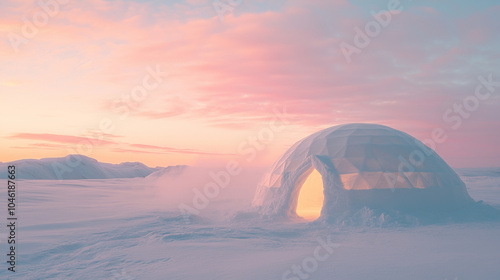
311 197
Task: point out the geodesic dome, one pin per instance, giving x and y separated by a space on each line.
361 165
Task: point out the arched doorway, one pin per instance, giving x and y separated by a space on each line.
310 200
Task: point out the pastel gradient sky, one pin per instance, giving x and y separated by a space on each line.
226 78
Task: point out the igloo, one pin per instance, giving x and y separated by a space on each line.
353 166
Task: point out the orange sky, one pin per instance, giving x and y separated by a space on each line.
170 83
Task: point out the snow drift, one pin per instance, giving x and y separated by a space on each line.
170 171
124 229
362 166
74 167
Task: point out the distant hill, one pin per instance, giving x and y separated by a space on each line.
170 171
73 167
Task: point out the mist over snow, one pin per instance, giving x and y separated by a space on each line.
195 190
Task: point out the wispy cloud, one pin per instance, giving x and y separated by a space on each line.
58 138
65 140
169 150
40 146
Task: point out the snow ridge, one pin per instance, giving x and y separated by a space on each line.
74 167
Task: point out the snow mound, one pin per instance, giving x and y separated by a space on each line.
74 167
167 172
128 169
362 165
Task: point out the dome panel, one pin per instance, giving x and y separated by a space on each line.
357 162
359 140
386 140
348 180
372 164
371 178
344 166
384 181
360 183
357 150
336 151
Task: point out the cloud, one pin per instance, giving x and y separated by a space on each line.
57 138
169 150
64 140
39 146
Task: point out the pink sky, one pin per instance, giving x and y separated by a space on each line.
226 78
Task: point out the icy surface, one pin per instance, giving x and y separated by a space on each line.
132 229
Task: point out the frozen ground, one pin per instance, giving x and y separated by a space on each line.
131 229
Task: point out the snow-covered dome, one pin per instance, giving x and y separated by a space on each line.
357 165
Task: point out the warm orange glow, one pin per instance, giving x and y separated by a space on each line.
311 197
